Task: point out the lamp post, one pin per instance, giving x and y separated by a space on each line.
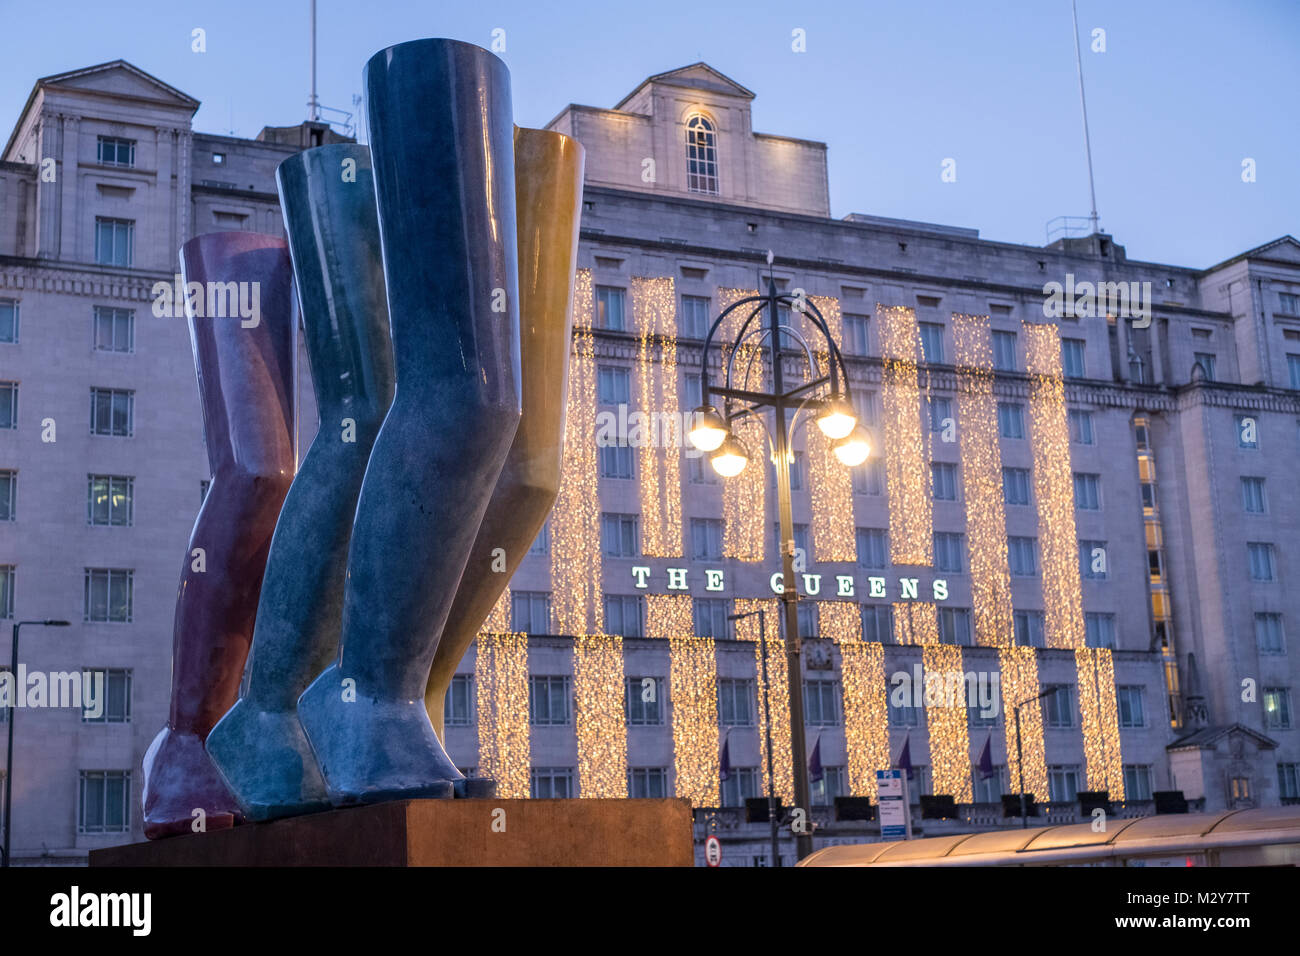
767 720
1020 759
712 432
13 711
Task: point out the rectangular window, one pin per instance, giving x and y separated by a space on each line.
735 702
1288 303
948 551
613 385
1004 351
800 540
908 715
940 412
1087 491
1029 628
1269 636
542 543
1132 712
692 393
695 319
741 784
617 461
8 495
1058 710
548 700
877 623
8 321
943 476
1137 781
625 615
114 241
873 548
710 618
1262 566
954 626
104 802
115 700
855 334
1080 426
1062 783
8 404
609 308
550 783
1092 560
867 405
706 539
1015 486
458 705
643 703
109 595
112 412
114 151
821 703
114 329
1288 780
1072 358
1247 431
1292 361
699 471
1206 361
1022 555
1277 708
1011 420
618 535
1099 629
932 342
111 500
809 619
530 612
647 783
830 786
7 575
869 477
988 789
1252 495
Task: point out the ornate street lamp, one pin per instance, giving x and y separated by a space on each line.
823 397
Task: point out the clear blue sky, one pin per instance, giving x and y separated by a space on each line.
1184 92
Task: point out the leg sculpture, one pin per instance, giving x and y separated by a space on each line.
441 143
245 376
548 191
328 198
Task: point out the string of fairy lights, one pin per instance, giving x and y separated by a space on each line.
501 669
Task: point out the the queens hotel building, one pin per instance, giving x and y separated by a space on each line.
1072 493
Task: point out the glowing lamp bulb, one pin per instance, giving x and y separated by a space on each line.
709 431
836 419
854 448
731 458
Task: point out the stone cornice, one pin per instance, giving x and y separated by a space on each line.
79 279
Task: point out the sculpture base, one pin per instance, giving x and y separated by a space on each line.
440 833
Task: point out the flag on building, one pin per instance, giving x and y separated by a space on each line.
986 758
905 756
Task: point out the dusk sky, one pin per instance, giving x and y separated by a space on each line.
1183 93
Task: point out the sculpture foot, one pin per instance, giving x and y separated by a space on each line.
476 788
180 780
371 750
265 759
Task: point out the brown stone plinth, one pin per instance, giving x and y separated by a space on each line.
440 833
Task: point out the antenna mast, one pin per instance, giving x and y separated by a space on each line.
1083 104
313 105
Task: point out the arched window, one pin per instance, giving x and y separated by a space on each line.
701 156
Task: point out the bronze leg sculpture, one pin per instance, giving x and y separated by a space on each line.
441 144
548 191
328 198
245 377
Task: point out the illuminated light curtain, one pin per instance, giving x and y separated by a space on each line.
1019 668
839 621
576 584
501 682
498 619
907 459
916 622
1058 539
654 310
668 615
833 533
744 497
866 714
1100 720
778 675
693 689
981 465
598 716
946 720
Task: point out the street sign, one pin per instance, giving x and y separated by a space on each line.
713 851
895 815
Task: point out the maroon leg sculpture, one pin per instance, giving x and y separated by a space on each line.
245 377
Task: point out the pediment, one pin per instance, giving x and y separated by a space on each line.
119 78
